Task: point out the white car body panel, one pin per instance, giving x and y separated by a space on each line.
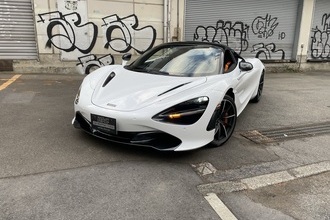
140 89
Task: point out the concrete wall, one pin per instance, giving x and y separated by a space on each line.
81 35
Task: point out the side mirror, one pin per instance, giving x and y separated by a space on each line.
245 66
126 57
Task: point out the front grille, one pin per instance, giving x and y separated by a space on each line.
155 139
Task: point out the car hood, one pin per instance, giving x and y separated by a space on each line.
127 90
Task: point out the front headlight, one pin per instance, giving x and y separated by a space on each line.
185 113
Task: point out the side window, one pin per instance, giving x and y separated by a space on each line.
229 62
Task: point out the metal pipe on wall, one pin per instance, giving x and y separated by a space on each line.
165 21
167 18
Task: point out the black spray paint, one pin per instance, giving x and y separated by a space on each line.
90 62
72 30
320 46
236 35
128 29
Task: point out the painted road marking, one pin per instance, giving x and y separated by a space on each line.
257 182
9 81
219 207
267 179
205 168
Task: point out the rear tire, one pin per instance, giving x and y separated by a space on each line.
225 121
260 88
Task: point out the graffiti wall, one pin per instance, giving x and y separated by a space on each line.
237 36
319 44
69 31
253 29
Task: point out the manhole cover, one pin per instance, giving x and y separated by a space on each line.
287 133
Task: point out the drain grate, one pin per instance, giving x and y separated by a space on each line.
287 133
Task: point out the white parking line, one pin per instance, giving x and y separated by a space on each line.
219 207
9 81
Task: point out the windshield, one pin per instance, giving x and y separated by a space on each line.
186 60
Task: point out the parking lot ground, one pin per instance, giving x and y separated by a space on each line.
304 198
49 170
130 190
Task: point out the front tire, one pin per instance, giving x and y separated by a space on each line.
226 116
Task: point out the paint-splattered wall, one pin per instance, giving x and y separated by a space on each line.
91 32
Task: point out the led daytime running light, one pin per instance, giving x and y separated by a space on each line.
184 113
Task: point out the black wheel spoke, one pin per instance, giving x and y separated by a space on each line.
230 116
223 106
225 130
219 134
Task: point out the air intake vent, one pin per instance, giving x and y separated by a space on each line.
173 88
109 78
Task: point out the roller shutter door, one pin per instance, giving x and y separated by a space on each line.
254 28
319 45
17 31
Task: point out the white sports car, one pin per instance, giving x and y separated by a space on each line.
177 96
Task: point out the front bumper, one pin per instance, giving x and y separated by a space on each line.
155 139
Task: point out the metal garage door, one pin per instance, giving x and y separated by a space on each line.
17 32
319 45
254 28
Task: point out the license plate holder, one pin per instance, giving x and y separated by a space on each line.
104 124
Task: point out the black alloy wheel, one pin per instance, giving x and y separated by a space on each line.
260 88
225 121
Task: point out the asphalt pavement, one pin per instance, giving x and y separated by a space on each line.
49 170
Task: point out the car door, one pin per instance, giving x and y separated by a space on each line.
244 84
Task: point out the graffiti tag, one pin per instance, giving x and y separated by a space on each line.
236 35
71 30
264 27
320 46
71 5
225 32
90 62
123 34
267 51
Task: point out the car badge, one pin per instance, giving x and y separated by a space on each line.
111 105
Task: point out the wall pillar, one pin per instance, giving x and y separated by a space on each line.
305 29
177 20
